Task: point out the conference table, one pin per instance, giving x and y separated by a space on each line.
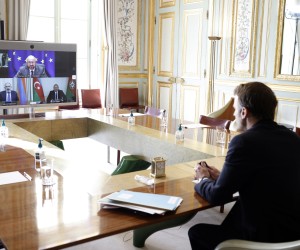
34 216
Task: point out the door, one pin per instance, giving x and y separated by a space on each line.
180 57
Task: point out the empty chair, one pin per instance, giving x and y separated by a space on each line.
247 245
214 122
154 111
226 112
129 98
91 98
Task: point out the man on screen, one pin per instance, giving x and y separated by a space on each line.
8 95
56 95
31 68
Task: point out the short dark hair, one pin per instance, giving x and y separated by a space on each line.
258 98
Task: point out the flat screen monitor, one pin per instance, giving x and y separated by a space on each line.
37 74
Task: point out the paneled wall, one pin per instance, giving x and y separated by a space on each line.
182 55
265 20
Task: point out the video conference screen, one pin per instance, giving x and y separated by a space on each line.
37 73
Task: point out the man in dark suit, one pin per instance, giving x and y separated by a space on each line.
263 165
56 95
31 68
8 95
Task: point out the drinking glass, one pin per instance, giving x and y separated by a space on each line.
47 172
220 136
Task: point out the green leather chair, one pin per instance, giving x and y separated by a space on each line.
130 163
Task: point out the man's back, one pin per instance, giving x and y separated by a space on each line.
269 188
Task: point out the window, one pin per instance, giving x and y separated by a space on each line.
71 21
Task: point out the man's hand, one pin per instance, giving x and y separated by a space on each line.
203 170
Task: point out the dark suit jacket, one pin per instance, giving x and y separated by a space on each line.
263 165
39 71
14 96
61 96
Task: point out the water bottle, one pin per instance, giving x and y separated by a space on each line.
179 134
131 119
40 156
3 135
164 119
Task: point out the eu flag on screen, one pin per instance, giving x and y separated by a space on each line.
16 59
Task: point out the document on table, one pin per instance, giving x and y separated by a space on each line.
144 201
107 203
12 177
128 114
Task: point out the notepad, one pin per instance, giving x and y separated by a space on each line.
12 177
143 200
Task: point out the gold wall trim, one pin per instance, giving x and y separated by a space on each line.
288 100
128 83
192 1
133 75
249 72
150 51
277 87
138 41
196 89
168 3
165 85
267 30
167 15
197 53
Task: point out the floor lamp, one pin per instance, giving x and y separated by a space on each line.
211 79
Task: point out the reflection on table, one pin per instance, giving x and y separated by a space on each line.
34 216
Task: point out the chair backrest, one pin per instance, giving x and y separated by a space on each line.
226 112
214 122
247 245
154 111
91 98
128 97
297 130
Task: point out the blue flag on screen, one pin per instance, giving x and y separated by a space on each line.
16 59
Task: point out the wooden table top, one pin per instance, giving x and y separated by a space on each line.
34 216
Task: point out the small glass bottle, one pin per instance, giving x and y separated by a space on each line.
164 119
131 119
3 135
179 134
39 156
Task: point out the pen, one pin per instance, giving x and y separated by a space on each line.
27 176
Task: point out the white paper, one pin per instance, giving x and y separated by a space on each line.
12 177
107 204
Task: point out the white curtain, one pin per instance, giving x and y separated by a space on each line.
111 62
17 19
297 63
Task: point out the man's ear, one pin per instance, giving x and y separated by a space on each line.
244 112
